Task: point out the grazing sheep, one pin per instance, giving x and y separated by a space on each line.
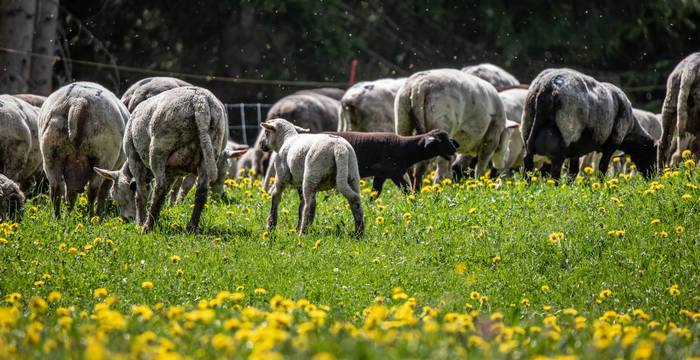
312 163
650 122
495 75
81 126
20 157
568 114
177 132
11 200
465 106
513 101
148 87
388 156
34 100
680 114
305 108
333 93
368 106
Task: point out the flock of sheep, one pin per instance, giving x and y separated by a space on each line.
166 134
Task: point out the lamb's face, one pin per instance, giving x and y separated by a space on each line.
441 142
269 138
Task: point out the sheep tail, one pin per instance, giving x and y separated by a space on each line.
346 164
77 114
544 110
202 118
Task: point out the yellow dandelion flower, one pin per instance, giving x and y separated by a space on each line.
545 288
179 272
673 290
38 283
316 245
260 291
460 268
595 186
655 221
663 234
379 220
605 293
375 260
407 216
689 163
147 285
495 258
679 229
588 170
547 308
556 237
525 301
686 197
474 295
54 296
570 311
73 251
174 258
100 293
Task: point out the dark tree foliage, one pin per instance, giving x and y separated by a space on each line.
632 43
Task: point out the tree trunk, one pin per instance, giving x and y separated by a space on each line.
16 28
41 69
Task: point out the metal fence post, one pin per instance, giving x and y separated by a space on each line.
243 127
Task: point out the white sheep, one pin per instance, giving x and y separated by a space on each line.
312 163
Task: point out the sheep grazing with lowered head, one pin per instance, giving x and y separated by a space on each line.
177 132
568 114
312 163
368 106
11 200
81 126
680 114
20 157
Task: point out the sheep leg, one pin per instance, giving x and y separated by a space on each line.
377 185
70 199
573 167
275 198
352 193
300 211
443 169
102 197
55 188
139 172
555 168
160 189
608 152
174 191
309 209
200 198
528 163
401 183
418 173
186 184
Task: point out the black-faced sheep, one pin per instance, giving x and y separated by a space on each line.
680 114
312 163
177 132
568 114
11 200
465 106
81 126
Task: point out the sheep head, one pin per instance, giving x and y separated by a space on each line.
123 190
276 131
439 142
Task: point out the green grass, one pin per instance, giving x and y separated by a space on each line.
439 248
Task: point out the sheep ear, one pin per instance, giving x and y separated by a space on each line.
301 130
234 154
429 140
268 126
455 143
107 174
511 124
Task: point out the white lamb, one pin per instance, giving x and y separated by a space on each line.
312 163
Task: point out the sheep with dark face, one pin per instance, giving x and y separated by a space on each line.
177 132
680 114
81 126
20 157
568 114
495 75
11 200
368 106
312 163
465 106
147 88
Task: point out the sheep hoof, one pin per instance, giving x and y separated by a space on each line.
191 229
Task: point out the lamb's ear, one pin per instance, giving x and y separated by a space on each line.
107 174
234 153
301 130
429 140
268 126
511 124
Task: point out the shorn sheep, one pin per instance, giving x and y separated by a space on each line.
177 132
20 158
568 114
680 114
312 162
81 126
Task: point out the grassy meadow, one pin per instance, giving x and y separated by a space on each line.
594 267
